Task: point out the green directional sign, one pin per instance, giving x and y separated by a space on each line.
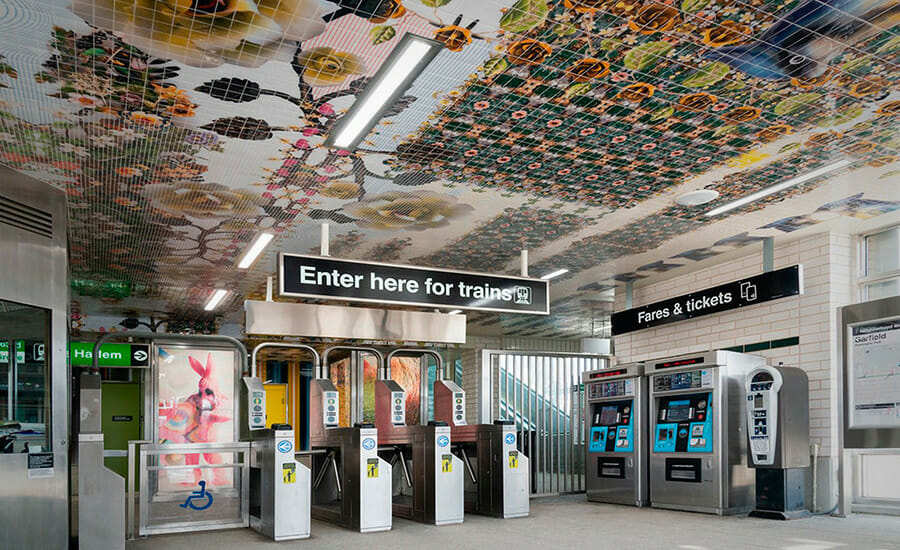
4 352
111 355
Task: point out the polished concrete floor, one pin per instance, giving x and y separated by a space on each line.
570 522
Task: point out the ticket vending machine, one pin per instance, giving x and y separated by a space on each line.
777 416
616 469
698 452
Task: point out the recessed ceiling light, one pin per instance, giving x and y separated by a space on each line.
215 299
454 312
696 198
553 274
255 249
398 72
779 187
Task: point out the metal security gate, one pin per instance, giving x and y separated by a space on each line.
543 395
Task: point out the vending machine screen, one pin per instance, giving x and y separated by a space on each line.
679 411
608 415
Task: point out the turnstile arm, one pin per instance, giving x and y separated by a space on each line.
468 465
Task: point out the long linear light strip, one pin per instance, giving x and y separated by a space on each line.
554 274
779 187
215 299
262 240
409 59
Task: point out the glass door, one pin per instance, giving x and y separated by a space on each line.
24 378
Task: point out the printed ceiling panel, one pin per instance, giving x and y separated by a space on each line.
180 129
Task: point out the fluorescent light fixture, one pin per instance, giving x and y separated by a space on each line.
779 187
406 62
553 274
454 312
255 249
215 299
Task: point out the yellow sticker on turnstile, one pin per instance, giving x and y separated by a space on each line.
372 467
289 473
514 459
447 463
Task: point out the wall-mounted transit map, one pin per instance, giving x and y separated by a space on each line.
874 378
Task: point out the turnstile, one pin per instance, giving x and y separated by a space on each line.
497 483
615 424
428 486
698 455
279 486
352 485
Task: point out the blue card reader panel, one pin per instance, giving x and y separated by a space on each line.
612 427
684 424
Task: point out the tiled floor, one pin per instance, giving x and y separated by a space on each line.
560 523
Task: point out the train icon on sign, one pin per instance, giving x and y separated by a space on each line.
523 295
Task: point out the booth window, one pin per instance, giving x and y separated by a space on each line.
881 264
24 378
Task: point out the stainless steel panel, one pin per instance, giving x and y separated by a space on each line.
357 323
35 272
280 508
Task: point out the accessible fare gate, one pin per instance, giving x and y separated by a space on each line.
542 393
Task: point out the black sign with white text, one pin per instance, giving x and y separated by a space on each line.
331 278
745 292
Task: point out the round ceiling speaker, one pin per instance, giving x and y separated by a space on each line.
696 198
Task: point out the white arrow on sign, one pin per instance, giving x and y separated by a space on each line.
140 355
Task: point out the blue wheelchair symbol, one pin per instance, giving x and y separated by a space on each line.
443 441
202 493
368 443
510 439
284 446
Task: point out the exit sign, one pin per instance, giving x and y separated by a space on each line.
111 355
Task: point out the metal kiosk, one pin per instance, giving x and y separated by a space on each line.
698 456
777 407
352 485
430 488
615 421
497 483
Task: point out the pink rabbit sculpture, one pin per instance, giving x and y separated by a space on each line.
192 420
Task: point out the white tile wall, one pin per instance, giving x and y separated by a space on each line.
829 284
812 317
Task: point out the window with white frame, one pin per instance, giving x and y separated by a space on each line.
881 264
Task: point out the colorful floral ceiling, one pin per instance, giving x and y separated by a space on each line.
182 128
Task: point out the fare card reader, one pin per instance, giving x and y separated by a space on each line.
616 424
279 486
253 404
778 434
698 448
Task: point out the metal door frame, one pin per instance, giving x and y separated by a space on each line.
424 390
356 375
291 404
